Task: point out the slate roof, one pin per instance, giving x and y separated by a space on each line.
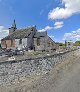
20 33
40 34
49 39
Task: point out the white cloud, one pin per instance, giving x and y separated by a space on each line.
58 25
3 29
3 32
51 36
46 29
74 35
70 7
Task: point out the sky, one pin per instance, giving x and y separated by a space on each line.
60 18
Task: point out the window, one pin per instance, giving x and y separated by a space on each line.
11 42
38 41
5 44
20 41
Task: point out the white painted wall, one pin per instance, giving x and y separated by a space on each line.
24 43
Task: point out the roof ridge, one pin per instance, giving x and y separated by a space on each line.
19 33
26 27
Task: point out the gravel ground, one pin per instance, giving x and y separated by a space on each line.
64 77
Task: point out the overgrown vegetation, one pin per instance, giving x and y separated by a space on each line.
78 42
61 44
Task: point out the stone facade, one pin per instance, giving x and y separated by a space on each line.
28 38
8 44
40 43
45 44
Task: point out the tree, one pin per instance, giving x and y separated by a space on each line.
61 44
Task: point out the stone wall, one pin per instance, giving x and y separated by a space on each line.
46 43
43 44
8 44
11 72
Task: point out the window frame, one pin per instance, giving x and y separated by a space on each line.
38 41
20 41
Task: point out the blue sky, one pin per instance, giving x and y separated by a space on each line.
60 18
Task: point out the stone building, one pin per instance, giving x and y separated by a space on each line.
28 38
